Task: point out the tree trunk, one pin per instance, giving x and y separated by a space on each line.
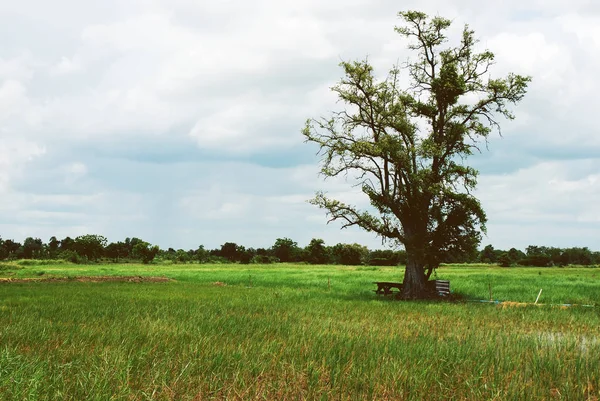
413 286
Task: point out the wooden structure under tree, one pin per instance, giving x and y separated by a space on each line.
440 288
386 287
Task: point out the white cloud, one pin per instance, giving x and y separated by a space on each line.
556 194
239 79
13 98
74 172
532 54
67 65
18 68
14 155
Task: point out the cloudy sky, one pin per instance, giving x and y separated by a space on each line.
178 121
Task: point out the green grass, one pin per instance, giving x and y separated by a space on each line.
296 332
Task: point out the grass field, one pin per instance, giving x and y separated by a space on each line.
295 332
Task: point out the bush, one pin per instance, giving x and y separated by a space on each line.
264 260
74 257
41 262
382 262
218 260
504 260
145 252
536 260
9 266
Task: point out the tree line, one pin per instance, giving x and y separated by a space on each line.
96 248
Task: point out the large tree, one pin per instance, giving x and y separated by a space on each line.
406 145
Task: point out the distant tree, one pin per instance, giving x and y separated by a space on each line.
349 254
67 244
231 251
3 251
169 254
116 251
262 251
316 252
10 249
534 250
285 250
201 254
537 256
407 144
181 256
596 257
263 256
577 256
32 248
488 255
53 247
384 257
145 252
112 251
536 260
245 255
90 246
504 260
515 255
130 243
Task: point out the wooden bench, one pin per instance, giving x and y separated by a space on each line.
438 287
386 287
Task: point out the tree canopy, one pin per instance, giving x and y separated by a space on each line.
407 146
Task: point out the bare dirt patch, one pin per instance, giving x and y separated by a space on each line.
86 279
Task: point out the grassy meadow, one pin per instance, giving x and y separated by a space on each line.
294 332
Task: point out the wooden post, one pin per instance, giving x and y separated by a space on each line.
538 297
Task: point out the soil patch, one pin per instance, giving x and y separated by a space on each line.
86 279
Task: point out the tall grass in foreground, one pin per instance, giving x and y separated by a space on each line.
294 332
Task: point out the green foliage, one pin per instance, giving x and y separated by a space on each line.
90 246
53 245
264 259
116 251
73 257
218 260
515 255
230 251
407 146
286 250
316 252
32 248
349 254
387 257
504 260
201 254
145 252
9 249
488 255
536 260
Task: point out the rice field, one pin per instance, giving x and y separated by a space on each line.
296 332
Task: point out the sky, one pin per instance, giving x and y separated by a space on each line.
178 121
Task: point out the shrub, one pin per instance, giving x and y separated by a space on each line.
504 260
9 266
74 257
536 260
264 260
41 262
